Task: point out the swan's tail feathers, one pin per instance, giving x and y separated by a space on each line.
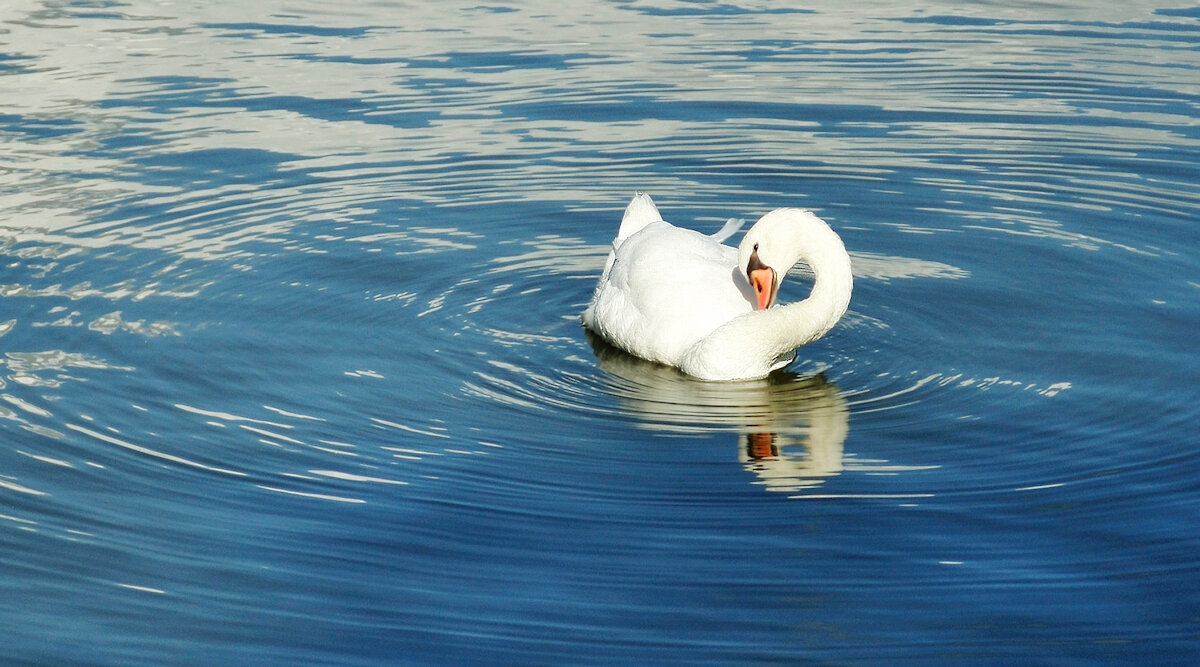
640 212
731 227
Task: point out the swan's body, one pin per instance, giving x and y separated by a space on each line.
683 299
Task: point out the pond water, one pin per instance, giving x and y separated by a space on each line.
292 369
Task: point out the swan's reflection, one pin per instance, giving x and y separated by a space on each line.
792 428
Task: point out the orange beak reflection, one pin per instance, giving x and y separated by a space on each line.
762 279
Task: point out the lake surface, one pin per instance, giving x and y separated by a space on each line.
292 369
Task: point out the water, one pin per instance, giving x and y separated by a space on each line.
293 374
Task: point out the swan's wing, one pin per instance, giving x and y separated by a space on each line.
640 212
730 228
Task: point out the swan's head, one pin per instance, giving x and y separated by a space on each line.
774 244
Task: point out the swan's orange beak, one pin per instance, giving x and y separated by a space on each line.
762 279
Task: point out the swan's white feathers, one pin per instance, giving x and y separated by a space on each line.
640 212
730 228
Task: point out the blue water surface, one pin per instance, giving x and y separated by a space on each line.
292 369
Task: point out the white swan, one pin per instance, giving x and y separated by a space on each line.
684 299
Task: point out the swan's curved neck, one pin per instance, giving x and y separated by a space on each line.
792 325
757 342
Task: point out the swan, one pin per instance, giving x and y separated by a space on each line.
684 299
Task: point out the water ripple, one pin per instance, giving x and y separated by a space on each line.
292 334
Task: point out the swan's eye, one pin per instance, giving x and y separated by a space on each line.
755 247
